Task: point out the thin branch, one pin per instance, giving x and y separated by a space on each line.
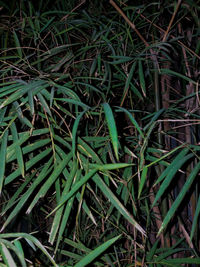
131 24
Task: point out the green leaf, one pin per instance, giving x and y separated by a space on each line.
132 119
127 84
110 166
17 44
65 217
20 115
16 249
3 158
12 201
152 251
59 213
172 262
8 259
75 188
112 128
27 149
176 74
141 77
170 172
85 149
43 190
2 114
74 132
96 252
47 24
143 180
180 197
93 66
116 203
156 160
23 200
31 102
23 90
11 149
120 59
28 165
18 245
18 150
195 220
44 103
34 240
168 253
75 102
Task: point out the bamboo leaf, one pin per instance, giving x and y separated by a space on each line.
31 102
17 44
93 66
3 158
168 253
12 148
112 128
170 173
120 59
115 201
172 262
174 73
152 250
75 102
59 213
8 259
27 149
128 81
143 180
16 249
34 240
75 188
18 150
83 147
43 190
195 220
16 196
20 115
111 166
18 245
44 103
74 132
28 165
2 114
96 252
132 119
77 245
86 209
180 197
141 77
45 171
23 90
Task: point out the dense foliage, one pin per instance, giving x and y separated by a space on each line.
99 135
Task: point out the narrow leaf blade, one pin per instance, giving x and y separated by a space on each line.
112 128
96 252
